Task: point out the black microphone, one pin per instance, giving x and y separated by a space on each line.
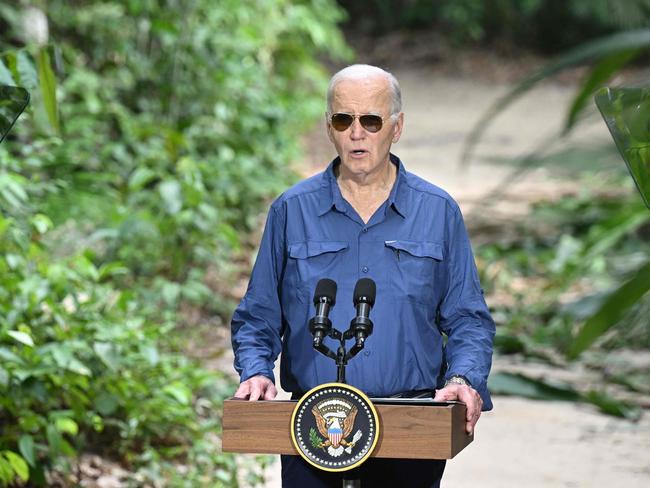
324 299
364 298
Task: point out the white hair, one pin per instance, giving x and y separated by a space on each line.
362 72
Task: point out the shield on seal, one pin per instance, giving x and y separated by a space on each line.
335 433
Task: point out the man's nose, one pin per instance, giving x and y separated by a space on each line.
356 129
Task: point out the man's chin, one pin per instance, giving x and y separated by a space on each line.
359 165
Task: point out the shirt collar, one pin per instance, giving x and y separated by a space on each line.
398 198
330 193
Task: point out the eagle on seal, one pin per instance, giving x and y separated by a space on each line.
334 432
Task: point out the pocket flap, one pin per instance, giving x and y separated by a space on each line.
308 249
421 249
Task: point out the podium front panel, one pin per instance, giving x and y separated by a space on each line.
407 431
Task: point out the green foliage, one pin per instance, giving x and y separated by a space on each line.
560 276
171 127
626 112
549 26
612 310
30 67
85 366
315 439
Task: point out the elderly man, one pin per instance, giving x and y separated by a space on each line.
366 216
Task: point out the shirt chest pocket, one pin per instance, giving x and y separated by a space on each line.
415 269
311 261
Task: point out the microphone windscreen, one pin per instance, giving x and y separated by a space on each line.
325 288
365 290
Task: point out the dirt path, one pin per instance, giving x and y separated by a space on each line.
522 442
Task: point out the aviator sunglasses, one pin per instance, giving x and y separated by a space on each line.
341 121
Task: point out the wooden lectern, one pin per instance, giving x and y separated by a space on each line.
411 431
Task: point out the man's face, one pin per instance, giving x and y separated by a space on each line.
362 152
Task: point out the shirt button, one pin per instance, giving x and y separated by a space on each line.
367 353
365 229
364 269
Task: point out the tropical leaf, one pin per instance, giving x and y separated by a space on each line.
626 112
5 75
617 44
611 311
600 73
27 449
611 231
18 464
47 84
517 384
28 76
21 337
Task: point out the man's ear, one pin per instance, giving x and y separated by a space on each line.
397 129
328 128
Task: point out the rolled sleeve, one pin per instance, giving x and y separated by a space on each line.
256 324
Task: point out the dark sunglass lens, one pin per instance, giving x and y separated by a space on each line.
372 123
342 121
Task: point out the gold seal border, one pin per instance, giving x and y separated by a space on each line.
372 409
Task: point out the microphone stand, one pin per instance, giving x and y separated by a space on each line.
360 328
341 357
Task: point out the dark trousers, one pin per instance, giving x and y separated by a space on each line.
418 473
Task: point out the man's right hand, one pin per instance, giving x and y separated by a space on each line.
256 388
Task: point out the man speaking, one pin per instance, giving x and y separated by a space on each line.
365 216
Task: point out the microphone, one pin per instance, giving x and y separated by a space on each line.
324 299
364 299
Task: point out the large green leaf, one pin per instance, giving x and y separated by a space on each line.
611 311
611 231
66 425
6 471
627 114
47 83
22 337
600 73
26 70
26 447
18 464
108 353
5 75
517 384
622 42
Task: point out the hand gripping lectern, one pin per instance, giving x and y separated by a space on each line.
336 427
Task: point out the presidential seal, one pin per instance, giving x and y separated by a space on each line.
334 427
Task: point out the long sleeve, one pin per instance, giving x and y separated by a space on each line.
257 322
464 315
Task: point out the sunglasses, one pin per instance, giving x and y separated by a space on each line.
341 121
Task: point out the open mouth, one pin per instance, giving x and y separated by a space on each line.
359 152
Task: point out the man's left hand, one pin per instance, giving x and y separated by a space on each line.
466 394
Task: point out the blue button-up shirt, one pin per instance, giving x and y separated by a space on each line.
415 247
